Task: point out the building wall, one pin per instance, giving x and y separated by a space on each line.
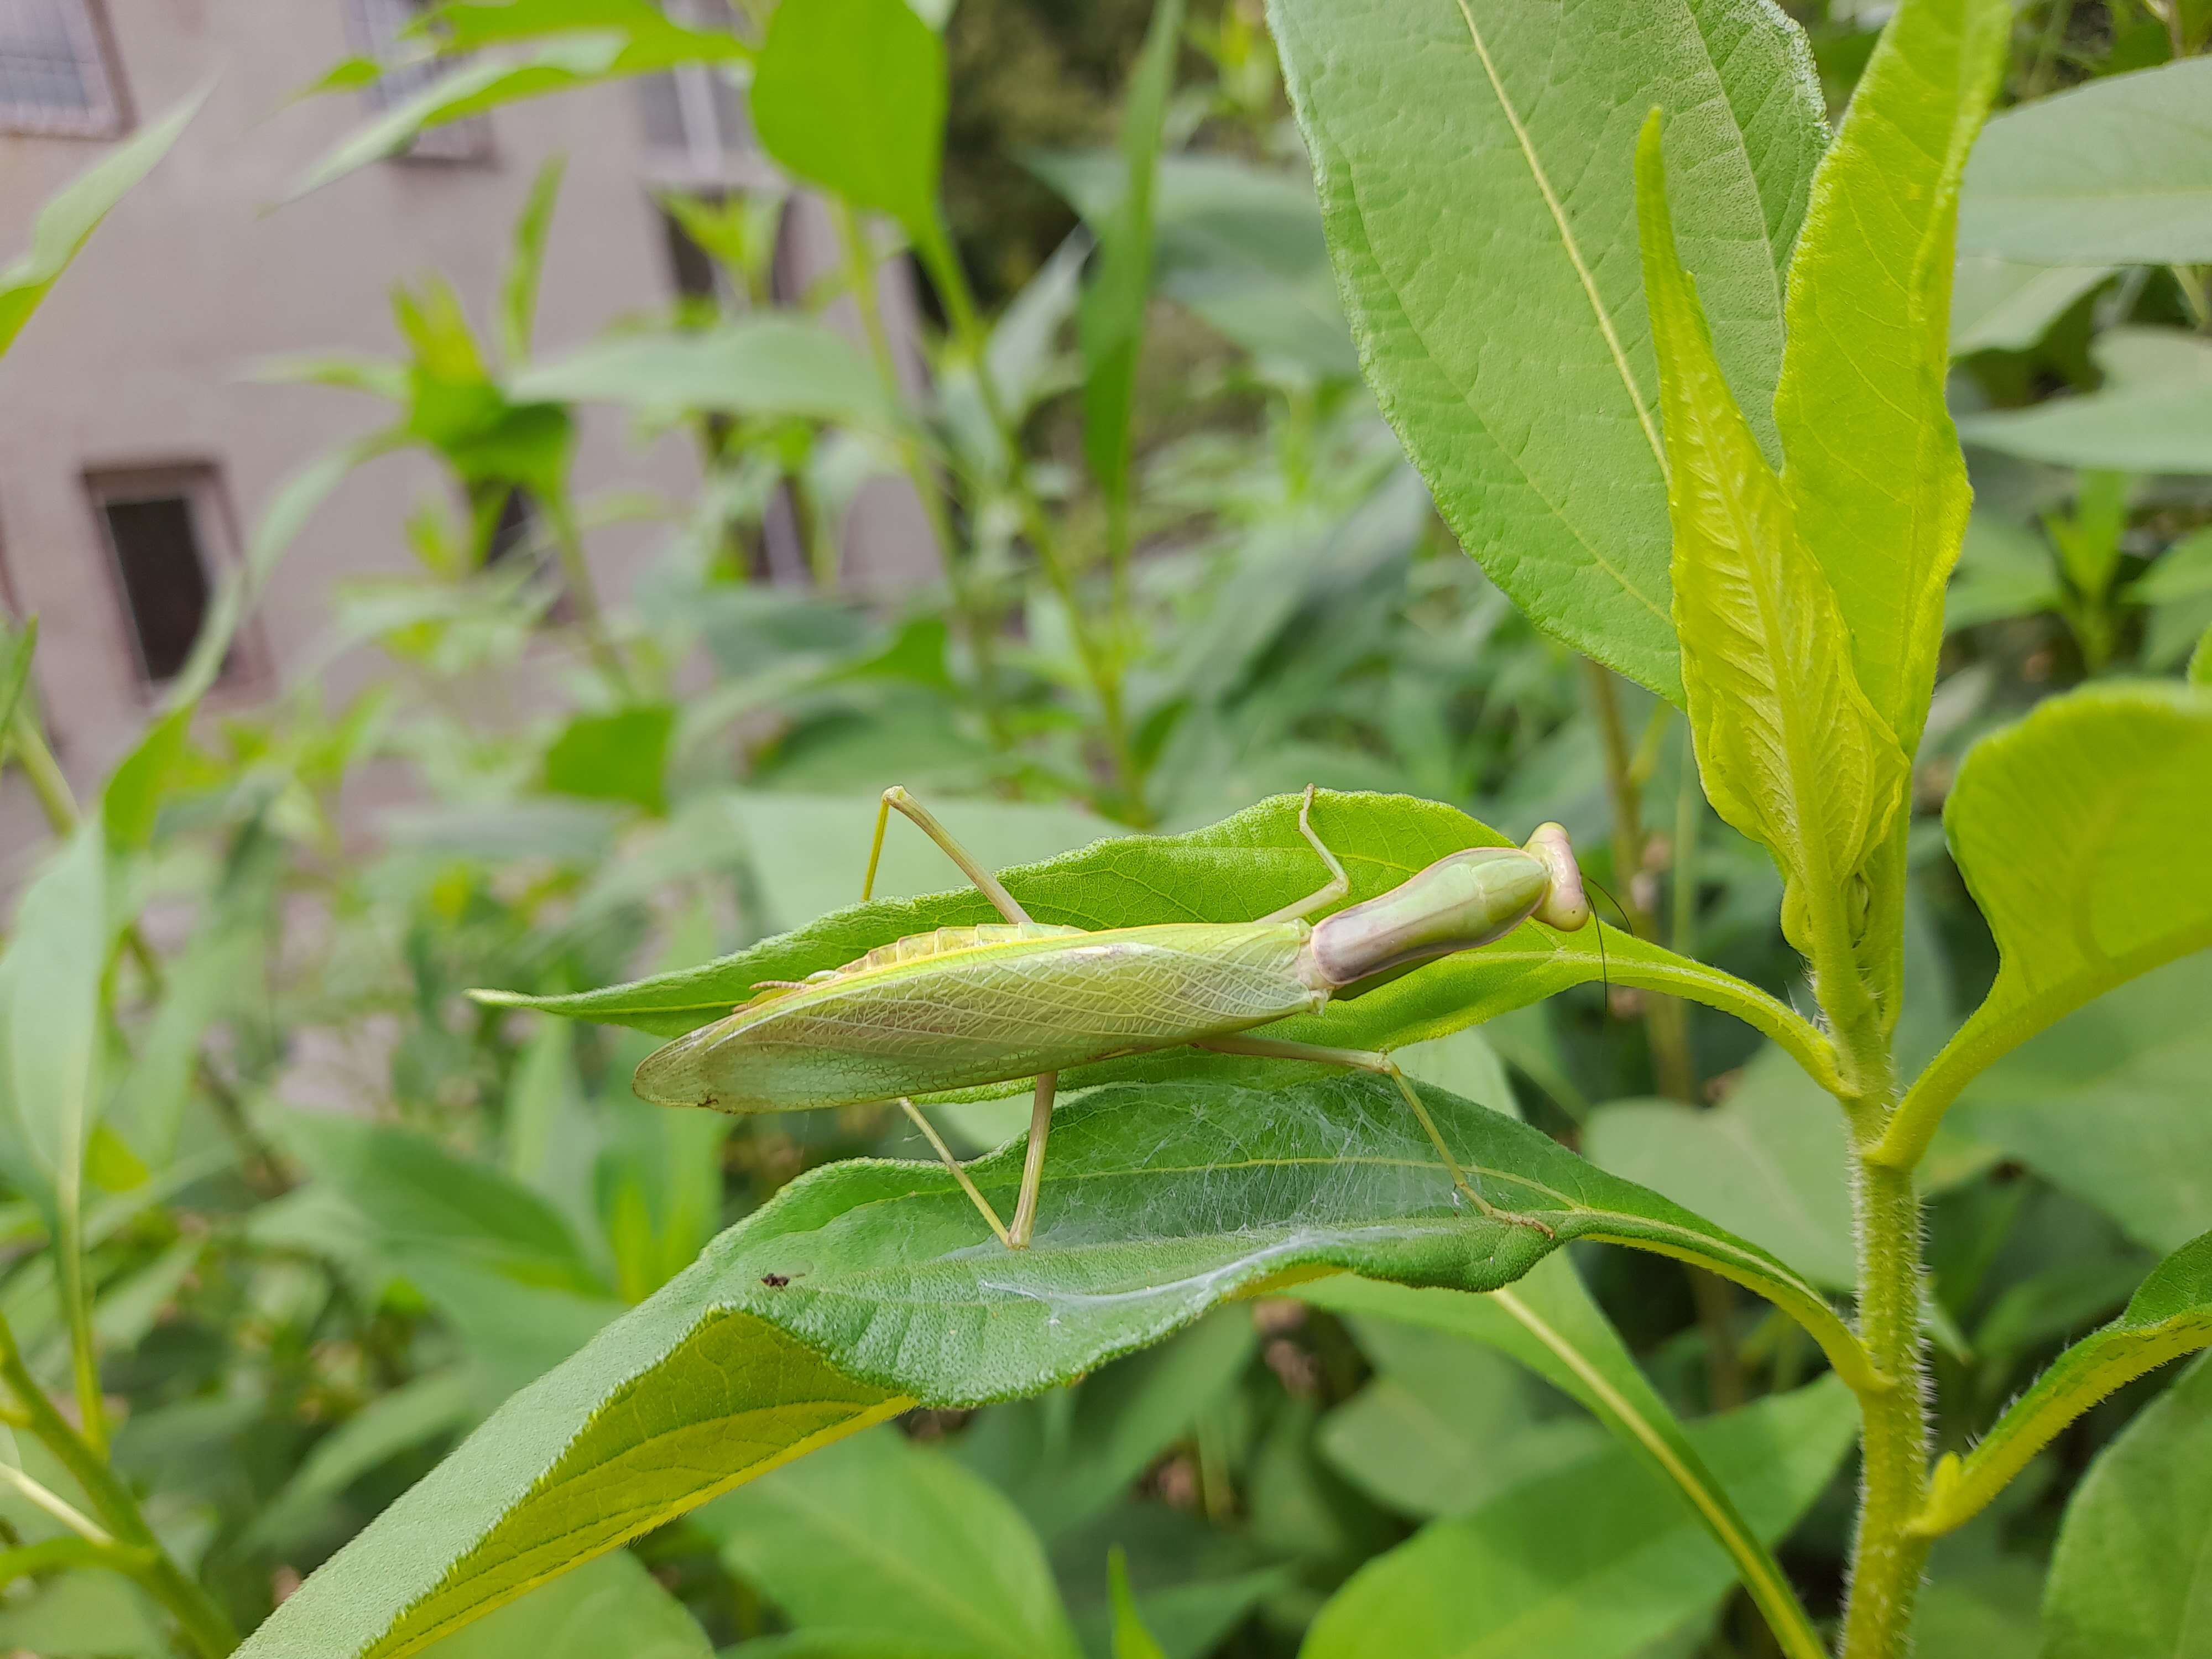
138 357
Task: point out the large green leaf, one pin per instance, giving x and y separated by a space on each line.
767 365
1244 867
2128 1580
66 222
1790 748
866 1285
608 1606
881 1538
2110 1105
2081 833
1474 159
2117 172
850 95
1874 473
50 1002
2171 1315
2004 305
2153 413
1548 1323
1624 1560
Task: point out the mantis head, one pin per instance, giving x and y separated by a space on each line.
1463 900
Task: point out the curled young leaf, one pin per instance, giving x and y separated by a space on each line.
1790 751
2169 1316
2081 833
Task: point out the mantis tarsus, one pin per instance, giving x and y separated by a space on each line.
966 1006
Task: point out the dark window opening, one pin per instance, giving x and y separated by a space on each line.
164 571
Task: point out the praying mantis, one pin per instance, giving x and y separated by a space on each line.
966 1006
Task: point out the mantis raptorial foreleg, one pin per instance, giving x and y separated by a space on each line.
1369 1060
1016 1237
1339 885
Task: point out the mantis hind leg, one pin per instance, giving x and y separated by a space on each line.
1025 1207
986 883
967 1185
1340 884
1368 1061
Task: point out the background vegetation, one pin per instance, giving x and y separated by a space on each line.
314 1213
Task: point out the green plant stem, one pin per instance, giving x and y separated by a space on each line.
584 597
929 490
1101 661
136 1550
1887 1557
1665 1025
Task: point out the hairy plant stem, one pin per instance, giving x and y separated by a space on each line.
974 627
1102 660
1886 1559
134 1549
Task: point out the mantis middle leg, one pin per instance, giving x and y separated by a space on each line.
1369 1061
1339 884
1016 1237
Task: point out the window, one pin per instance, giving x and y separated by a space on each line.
55 74
375 27
695 117
162 528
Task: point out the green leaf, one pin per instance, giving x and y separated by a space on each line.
1131 1640
2109 1104
2128 1579
2079 832
66 222
16 655
51 1000
866 1285
2171 1315
774 365
1768 1163
1486 254
607 1606
1239 245
618 757
1064 1463
1874 479
882 1538
1110 321
518 293
415 1412
850 95
2153 415
1624 1561
1790 748
1445 1426
547 64
2005 569
2117 172
1244 867
2200 661
132 799
2002 305
1548 1323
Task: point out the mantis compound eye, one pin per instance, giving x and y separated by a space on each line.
1564 906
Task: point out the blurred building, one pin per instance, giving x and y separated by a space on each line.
136 456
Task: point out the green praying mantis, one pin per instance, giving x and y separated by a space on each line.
966 1006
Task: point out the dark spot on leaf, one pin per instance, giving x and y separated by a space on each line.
775 1281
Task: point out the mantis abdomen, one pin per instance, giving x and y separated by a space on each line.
966 1007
